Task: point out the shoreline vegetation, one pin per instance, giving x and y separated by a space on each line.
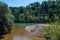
48 12
51 32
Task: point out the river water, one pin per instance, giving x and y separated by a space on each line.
18 33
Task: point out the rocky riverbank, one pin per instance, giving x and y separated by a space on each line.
36 30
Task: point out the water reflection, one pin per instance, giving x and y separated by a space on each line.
21 38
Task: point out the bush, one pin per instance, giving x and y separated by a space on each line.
52 32
6 19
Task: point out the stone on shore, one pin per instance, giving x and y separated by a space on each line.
36 30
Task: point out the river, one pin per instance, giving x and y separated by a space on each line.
18 33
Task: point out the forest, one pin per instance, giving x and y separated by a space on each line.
45 12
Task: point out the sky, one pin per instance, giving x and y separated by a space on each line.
17 3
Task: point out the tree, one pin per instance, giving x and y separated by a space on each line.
47 11
6 19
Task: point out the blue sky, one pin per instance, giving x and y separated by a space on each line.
17 3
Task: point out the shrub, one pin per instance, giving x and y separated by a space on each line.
52 32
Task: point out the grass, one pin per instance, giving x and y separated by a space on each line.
53 31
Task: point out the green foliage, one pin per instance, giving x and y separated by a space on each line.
53 32
46 12
24 24
5 19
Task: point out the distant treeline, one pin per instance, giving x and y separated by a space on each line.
46 12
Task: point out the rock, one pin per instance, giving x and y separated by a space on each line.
36 30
